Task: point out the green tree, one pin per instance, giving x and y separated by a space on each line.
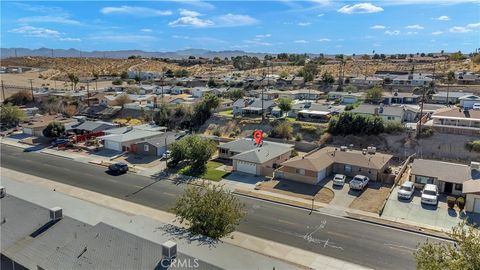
209 210
327 78
282 130
309 71
374 94
122 100
194 149
283 74
19 98
54 129
212 83
124 75
464 254
236 94
73 79
285 104
203 110
11 115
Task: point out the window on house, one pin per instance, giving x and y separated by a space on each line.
300 171
458 187
146 148
423 179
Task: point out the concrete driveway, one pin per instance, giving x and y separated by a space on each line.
414 211
343 197
241 180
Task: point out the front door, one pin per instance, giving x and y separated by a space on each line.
448 187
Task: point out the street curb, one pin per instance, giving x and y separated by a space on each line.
268 200
51 154
401 228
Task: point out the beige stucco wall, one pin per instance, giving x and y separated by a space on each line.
470 200
370 173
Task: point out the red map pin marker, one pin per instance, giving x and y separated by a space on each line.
258 136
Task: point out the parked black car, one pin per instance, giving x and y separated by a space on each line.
60 141
118 168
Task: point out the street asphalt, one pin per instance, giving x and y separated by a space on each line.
362 243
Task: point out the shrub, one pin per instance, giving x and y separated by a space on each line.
217 132
282 130
298 137
392 127
473 146
461 203
450 202
349 107
427 132
308 128
117 82
53 130
326 138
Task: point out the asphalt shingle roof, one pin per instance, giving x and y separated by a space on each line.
443 171
263 153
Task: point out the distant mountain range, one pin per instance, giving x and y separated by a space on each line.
46 52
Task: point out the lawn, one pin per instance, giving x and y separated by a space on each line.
226 113
210 172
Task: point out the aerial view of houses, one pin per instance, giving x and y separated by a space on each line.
240 135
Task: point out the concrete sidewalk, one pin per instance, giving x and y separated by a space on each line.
92 207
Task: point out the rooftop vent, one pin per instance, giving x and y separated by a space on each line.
169 250
3 192
56 213
371 149
343 148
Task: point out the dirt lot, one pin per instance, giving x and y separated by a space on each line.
300 190
371 199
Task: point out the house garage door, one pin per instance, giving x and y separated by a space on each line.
321 175
113 146
476 206
246 167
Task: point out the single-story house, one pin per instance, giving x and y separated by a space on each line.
387 113
315 107
36 125
456 120
127 138
453 97
253 159
412 80
449 177
400 98
201 91
302 94
366 81
412 111
268 94
471 189
345 97
248 107
468 101
156 146
316 166
93 126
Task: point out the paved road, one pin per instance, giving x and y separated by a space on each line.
357 242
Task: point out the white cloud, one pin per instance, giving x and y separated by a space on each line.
378 27
234 20
146 30
32 31
436 33
188 13
459 29
360 8
301 41
320 15
135 11
322 2
415 26
257 42
304 23
196 3
324 40
473 25
263 36
191 21
412 33
48 19
443 18
392 33
70 39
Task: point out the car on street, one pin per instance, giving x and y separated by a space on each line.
339 180
359 182
406 191
118 168
60 141
430 194
167 154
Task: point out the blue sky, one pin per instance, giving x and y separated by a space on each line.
320 26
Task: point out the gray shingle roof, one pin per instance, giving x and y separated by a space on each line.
95 125
246 144
387 110
443 171
263 153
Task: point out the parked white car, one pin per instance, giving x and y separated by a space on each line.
476 106
359 182
339 180
406 190
430 194
166 155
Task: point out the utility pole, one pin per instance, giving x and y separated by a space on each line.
88 93
419 131
3 92
31 88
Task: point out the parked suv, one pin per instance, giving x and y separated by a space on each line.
339 180
359 182
430 194
406 191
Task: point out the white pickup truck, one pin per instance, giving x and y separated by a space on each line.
359 182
